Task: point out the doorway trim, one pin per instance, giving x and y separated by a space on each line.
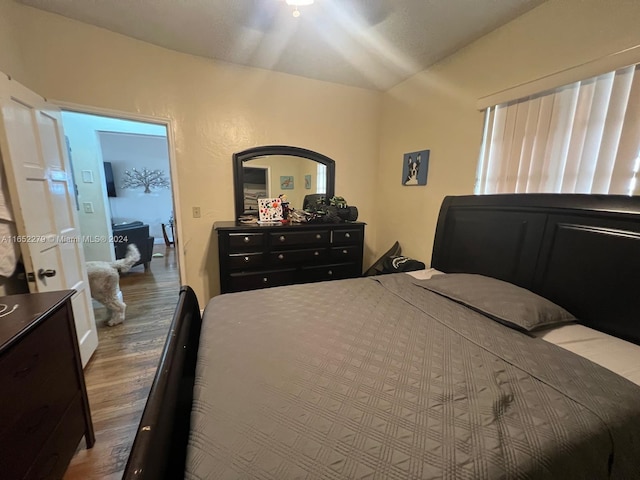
173 165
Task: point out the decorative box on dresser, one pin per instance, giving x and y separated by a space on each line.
44 409
259 256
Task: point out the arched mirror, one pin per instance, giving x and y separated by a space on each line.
267 172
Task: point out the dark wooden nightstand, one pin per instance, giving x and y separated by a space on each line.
44 409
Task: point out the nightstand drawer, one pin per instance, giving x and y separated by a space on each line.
36 358
27 431
245 260
309 255
53 459
353 236
268 278
244 240
317 237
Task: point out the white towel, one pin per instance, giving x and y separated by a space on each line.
6 213
9 250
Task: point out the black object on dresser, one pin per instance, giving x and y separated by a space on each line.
259 256
44 409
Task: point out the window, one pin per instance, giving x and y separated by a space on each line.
579 138
321 179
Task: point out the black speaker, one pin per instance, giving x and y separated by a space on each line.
348 214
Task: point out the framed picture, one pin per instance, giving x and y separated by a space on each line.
270 210
307 182
286 182
415 166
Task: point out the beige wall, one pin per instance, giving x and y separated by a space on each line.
215 110
11 61
436 108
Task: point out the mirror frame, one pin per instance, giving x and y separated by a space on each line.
241 157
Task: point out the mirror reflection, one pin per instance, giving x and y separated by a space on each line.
272 175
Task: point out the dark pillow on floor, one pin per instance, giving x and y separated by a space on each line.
396 264
377 267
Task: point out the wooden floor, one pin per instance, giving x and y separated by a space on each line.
120 373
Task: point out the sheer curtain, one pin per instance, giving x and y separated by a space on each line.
580 138
321 178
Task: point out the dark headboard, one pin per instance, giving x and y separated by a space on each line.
580 251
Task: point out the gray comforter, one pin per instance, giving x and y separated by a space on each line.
382 379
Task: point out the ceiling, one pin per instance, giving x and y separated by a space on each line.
365 43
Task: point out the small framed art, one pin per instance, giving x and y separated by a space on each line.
286 182
415 166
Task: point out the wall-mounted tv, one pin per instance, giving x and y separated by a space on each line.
108 176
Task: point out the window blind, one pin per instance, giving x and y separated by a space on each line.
579 138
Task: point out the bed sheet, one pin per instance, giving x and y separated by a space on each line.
613 353
610 352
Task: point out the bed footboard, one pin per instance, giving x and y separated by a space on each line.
159 449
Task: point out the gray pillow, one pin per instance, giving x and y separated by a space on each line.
504 302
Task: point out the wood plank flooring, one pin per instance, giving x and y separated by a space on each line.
120 373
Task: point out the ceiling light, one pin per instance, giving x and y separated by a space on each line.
296 4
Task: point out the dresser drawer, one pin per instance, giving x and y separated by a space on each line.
27 432
346 253
308 255
245 240
313 237
53 459
268 278
24 366
347 236
330 272
245 260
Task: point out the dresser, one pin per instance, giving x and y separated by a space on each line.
259 256
44 409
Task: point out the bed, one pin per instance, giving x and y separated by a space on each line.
467 374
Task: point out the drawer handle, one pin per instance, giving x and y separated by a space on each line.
246 259
347 235
23 372
281 257
330 272
318 236
282 238
247 239
316 253
265 280
345 251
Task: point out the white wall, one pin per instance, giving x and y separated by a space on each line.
126 151
83 130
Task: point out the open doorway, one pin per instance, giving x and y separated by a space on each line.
102 150
122 181
121 173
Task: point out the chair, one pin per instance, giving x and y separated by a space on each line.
168 242
133 232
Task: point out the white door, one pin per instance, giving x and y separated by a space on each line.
33 150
